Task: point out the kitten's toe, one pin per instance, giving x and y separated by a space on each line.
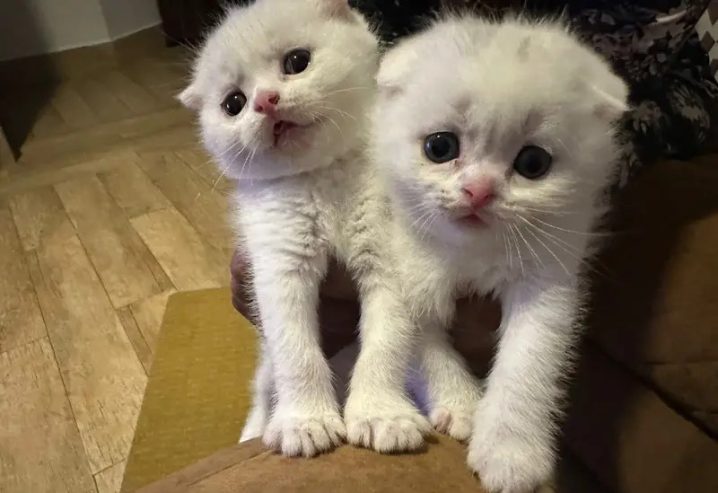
388 434
455 421
304 436
396 434
359 433
386 429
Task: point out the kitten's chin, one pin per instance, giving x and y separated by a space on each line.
466 230
271 165
471 221
450 231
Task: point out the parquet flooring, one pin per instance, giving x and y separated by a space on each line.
111 207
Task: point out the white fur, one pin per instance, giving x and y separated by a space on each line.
300 204
499 87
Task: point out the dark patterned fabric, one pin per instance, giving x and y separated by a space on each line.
652 43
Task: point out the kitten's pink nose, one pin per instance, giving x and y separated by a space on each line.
266 102
480 193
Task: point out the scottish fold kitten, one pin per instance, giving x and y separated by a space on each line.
282 88
497 140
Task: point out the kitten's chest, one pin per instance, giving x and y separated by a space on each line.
483 279
306 213
482 271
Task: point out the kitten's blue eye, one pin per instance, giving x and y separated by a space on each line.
234 103
441 147
533 162
296 61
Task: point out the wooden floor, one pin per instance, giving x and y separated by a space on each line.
111 207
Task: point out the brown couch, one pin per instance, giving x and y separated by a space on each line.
644 413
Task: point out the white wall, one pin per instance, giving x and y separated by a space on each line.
33 27
125 17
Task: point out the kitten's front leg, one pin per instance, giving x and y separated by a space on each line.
378 413
513 444
305 420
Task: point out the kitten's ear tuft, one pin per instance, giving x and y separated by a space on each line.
191 98
612 96
336 8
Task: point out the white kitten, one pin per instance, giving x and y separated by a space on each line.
497 141
282 88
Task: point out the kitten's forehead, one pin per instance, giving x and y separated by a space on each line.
251 35
477 68
475 106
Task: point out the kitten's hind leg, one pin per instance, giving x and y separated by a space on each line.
453 392
262 399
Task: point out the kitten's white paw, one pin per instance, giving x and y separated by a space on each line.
304 435
455 421
385 426
507 463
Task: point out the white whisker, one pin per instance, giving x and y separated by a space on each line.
518 250
550 251
528 245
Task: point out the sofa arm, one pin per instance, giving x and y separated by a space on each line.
249 468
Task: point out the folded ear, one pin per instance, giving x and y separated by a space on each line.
190 97
395 68
336 8
611 93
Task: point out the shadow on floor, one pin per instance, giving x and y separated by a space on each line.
26 84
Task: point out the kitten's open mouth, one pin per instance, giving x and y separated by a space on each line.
284 129
472 219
